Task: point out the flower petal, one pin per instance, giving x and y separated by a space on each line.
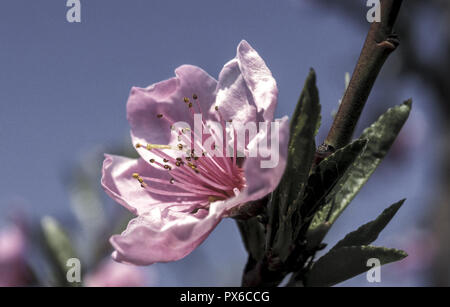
163 236
234 99
119 184
152 110
246 89
264 173
259 80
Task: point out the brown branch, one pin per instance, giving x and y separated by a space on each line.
379 44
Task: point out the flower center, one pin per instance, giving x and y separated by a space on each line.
202 178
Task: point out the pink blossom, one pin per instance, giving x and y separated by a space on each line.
13 268
113 274
180 196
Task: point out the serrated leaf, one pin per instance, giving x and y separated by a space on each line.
346 262
381 136
304 123
59 247
369 232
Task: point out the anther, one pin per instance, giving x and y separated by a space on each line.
193 166
152 160
186 100
195 97
141 181
159 115
172 181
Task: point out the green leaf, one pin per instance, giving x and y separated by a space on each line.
314 237
369 232
346 262
304 123
59 247
326 174
381 136
302 146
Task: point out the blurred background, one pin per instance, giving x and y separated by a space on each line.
64 86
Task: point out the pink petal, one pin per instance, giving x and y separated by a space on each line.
167 98
13 268
119 184
233 96
259 80
262 181
161 236
246 89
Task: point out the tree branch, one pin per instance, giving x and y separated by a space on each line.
379 44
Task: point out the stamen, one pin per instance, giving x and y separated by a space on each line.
209 179
139 179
